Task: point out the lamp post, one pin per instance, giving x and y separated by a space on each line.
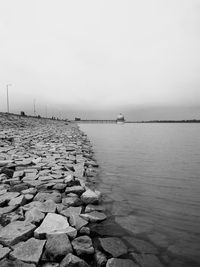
8 97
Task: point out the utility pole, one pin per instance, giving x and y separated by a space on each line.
8 97
34 107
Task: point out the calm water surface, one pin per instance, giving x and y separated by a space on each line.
151 175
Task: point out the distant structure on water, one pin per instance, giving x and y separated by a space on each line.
120 119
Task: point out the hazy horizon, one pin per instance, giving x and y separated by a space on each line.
94 59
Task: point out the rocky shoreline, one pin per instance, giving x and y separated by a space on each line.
50 211
48 199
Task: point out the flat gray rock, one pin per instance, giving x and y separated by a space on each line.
114 246
73 201
52 224
15 232
76 221
147 260
29 251
4 251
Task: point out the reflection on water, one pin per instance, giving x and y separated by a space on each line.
151 175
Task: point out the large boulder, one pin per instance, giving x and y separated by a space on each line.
29 251
57 247
114 246
90 197
52 224
83 245
16 232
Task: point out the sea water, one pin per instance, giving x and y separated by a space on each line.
150 173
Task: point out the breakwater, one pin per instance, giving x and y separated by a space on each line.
49 209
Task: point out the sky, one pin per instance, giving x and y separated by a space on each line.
95 59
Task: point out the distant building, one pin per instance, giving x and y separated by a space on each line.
120 118
77 119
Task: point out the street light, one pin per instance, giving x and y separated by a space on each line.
8 97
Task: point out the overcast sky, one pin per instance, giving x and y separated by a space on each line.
97 58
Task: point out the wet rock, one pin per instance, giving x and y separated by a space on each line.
57 247
15 232
159 240
147 260
52 224
141 246
90 197
113 246
83 245
121 263
94 216
4 251
73 261
29 251
135 224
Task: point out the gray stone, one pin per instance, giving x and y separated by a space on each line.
17 201
91 207
73 261
34 215
15 232
135 224
146 260
41 196
90 197
83 245
71 201
121 263
159 240
57 247
141 246
31 191
77 222
94 216
4 251
29 251
4 199
71 210
59 187
113 246
6 210
85 231
52 224
77 189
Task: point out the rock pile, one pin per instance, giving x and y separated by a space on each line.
47 198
